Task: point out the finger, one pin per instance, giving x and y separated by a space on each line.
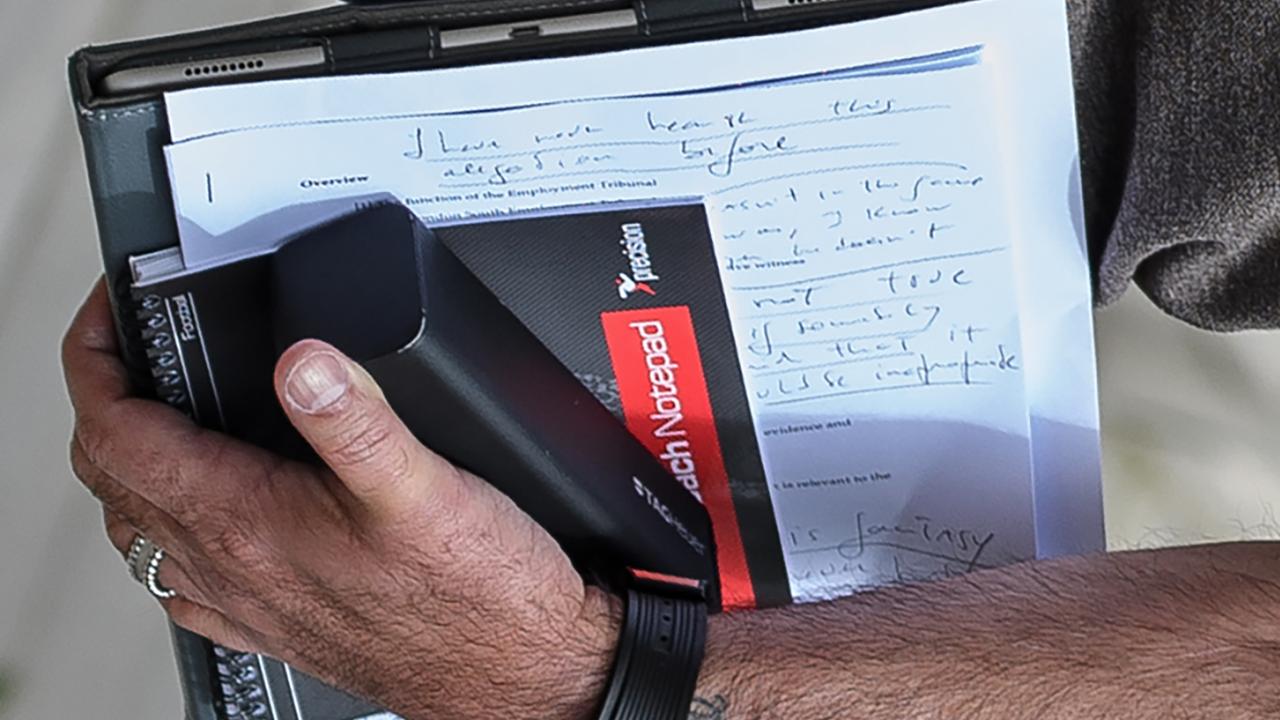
90 355
158 454
173 574
210 623
130 507
120 532
342 413
147 443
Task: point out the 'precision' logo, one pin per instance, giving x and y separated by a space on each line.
636 249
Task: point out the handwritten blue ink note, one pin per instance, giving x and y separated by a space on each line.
872 252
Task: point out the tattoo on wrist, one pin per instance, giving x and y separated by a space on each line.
715 707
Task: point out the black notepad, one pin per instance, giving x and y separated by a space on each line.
605 314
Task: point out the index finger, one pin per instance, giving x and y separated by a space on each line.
90 354
102 396
147 447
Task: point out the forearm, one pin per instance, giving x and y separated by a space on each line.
1187 633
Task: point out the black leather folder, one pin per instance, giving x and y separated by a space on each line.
124 132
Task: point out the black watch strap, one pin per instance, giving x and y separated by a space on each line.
664 638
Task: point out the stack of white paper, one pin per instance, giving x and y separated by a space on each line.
898 227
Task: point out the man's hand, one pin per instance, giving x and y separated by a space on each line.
389 573
418 586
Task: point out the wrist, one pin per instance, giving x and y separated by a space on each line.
719 684
580 684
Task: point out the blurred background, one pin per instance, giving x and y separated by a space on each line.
1189 418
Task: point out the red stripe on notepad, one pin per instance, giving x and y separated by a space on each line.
667 406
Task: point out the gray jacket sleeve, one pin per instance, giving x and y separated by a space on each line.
1179 106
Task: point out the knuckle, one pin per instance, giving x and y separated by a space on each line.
454 496
119 532
202 451
95 480
93 440
81 337
175 492
188 513
367 440
198 482
80 463
226 539
70 344
211 530
396 464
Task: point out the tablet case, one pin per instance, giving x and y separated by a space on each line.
124 136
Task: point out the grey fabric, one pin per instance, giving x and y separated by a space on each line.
1179 105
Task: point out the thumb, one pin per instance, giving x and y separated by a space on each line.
341 412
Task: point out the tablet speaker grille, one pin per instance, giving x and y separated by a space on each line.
223 68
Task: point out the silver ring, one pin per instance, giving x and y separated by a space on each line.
139 546
144 560
140 552
153 577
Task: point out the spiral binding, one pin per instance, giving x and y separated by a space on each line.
162 353
244 694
